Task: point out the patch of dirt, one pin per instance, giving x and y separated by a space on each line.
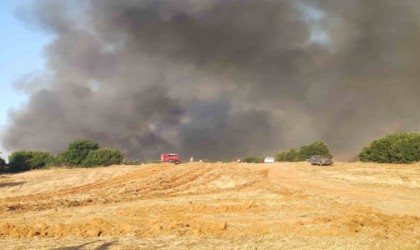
225 202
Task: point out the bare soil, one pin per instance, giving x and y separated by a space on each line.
213 205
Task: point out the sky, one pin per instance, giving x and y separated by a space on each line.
22 48
194 77
21 53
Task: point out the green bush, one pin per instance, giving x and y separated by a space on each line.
19 161
289 156
316 148
78 151
24 160
40 159
103 157
251 159
56 161
401 147
2 164
304 152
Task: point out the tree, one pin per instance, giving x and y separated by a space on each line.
40 159
251 159
290 156
103 157
316 148
2 164
78 151
24 160
19 161
401 147
304 152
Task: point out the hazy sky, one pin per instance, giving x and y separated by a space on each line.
21 53
196 76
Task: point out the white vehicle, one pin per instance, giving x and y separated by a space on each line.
269 159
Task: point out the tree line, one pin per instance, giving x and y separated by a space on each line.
403 147
80 153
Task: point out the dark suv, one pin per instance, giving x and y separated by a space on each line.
320 160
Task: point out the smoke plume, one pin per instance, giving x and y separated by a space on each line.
220 79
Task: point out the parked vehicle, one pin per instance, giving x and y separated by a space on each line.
170 157
320 160
269 159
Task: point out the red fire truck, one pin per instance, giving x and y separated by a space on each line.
170 157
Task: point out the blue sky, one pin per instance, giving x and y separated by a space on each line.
21 52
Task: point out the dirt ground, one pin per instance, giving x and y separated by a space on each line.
213 205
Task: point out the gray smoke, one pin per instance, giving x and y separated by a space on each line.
219 79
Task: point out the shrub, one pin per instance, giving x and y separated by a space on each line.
316 148
56 161
78 151
2 164
19 161
40 159
251 159
401 147
103 157
290 156
304 152
24 160
280 155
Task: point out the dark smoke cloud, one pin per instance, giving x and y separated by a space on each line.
221 79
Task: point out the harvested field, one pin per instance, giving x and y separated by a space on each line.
208 205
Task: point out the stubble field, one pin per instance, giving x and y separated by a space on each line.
213 205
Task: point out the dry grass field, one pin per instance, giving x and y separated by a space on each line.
213 206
